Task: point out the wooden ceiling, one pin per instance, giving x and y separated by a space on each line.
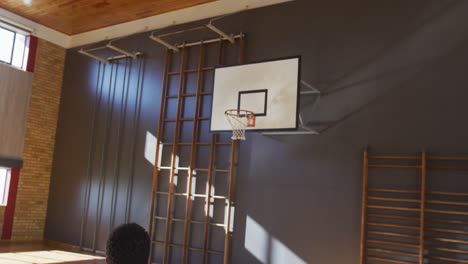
78 16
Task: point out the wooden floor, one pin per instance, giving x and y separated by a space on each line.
42 252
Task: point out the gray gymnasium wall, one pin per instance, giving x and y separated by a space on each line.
395 77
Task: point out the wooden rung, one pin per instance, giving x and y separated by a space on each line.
176 194
456 168
215 252
197 143
393 190
399 217
209 251
450 250
191 71
175 245
392 252
176 168
185 119
447 158
393 226
206 170
392 243
447 221
450 231
160 218
375 198
218 224
447 259
395 208
448 193
390 166
177 220
387 260
447 202
394 157
187 95
212 224
445 212
392 234
447 240
182 95
211 196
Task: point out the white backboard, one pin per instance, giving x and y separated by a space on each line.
270 89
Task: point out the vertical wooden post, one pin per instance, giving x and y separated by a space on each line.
208 196
365 172
231 176
210 176
174 154
423 204
193 149
229 202
159 134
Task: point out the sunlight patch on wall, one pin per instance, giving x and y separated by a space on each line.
280 254
150 149
256 240
266 248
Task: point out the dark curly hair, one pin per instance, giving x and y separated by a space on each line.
128 244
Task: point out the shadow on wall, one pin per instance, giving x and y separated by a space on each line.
326 179
436 33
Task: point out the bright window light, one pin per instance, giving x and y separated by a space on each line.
6 45
13 49
4 185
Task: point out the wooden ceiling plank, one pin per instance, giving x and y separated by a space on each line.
78 16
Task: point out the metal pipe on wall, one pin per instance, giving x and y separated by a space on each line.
120 131
102 174
98 95
136 124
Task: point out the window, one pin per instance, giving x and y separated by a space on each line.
13 50
4 185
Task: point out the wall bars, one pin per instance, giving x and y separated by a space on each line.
414 209
192 192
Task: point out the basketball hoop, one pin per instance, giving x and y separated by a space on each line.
239 120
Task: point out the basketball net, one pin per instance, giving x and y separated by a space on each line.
239 120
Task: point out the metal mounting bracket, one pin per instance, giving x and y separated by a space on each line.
164 43
218 31
125 54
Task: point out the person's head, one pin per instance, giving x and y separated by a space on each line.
128 244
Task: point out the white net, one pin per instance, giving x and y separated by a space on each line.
239 120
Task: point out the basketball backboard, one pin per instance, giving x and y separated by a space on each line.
270 89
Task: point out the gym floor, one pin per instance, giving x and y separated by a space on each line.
18 252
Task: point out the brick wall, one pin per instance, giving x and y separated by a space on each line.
2 213
33 188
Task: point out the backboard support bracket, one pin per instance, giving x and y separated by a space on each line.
303 128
